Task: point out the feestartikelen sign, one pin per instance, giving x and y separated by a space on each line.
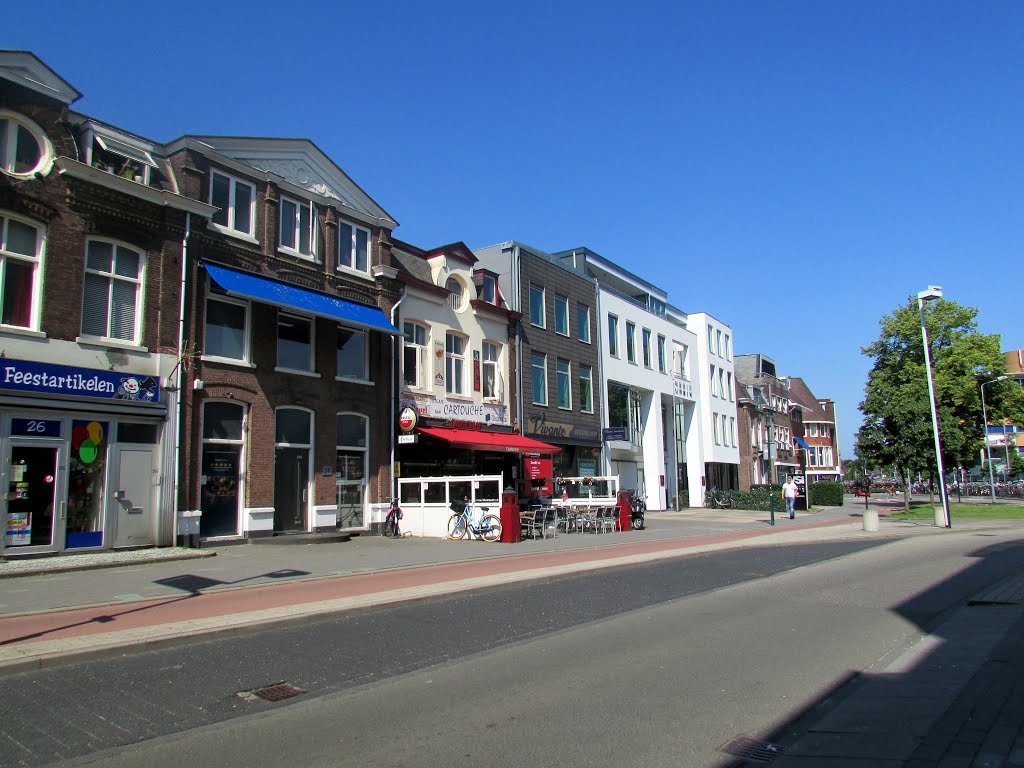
68 381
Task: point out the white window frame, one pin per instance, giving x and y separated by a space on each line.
562 301
543 368
246 343
365 373
456 293
493 362
645 346
586 373
728 350
489 289
36 260
711 339
231 211
422 378
613 335
139 282
661 353
561 377
583 328
732 430
364 448
46 154
543 311
455 367
312 344
631 342
352 258
714 422
732 390
314 227
711 375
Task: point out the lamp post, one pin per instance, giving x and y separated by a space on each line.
766 414
932 293
988 447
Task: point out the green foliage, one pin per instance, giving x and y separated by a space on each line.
1016 464
759 498
897 428
826 493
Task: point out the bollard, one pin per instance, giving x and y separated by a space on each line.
870 520
940 517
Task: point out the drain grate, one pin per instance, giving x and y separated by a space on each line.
275 692
751 749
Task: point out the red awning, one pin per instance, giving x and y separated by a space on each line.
503 442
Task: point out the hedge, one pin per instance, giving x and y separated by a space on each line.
827 493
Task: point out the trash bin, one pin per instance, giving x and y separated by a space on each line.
509 515
625 511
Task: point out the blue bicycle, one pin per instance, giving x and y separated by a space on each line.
487 528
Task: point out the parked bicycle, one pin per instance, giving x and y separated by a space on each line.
391 528
638 507
488 527
718 499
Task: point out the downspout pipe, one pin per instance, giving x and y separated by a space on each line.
179 369
394 388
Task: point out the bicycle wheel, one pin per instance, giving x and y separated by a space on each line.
490 528
456 527
386 531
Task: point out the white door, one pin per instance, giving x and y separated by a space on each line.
132 497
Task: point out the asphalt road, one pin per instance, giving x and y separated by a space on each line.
655 665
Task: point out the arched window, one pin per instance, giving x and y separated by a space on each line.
457 297
24 148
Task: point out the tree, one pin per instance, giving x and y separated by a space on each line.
1016 464
897 428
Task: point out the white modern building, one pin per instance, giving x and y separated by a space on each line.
716 374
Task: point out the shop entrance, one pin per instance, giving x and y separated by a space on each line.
291 489
133 498
35 511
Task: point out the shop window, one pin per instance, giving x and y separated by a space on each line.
21 253
221 471
24 149
414 355
227 329
142 434
236 200
299 225
111 297
86 472
294 342
351 469
353 247
351 355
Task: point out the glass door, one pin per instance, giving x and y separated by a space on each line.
35 510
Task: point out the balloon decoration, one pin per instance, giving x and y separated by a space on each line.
86 439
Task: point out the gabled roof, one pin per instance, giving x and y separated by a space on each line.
299 162
28 70
458 250
799 391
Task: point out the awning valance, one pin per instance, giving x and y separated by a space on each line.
291 296
801 443
503 442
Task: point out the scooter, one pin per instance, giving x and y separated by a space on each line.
638 504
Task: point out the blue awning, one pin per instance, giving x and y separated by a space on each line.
802 444
283 295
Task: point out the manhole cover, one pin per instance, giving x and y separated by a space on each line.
276 692
754 750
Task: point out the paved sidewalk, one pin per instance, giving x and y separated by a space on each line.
956 698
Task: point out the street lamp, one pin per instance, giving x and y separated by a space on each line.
766 413
988 447
931 294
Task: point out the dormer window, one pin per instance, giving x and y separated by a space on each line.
457 294
23 148
353 247
122 159
490 289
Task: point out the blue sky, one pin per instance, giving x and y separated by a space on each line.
796 169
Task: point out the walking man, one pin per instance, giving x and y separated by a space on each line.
789 491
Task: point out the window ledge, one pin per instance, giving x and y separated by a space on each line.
353 272
350 380
16 330
297 372
227 361
95 341
299 255
234 233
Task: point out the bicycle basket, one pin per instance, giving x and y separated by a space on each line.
457 507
